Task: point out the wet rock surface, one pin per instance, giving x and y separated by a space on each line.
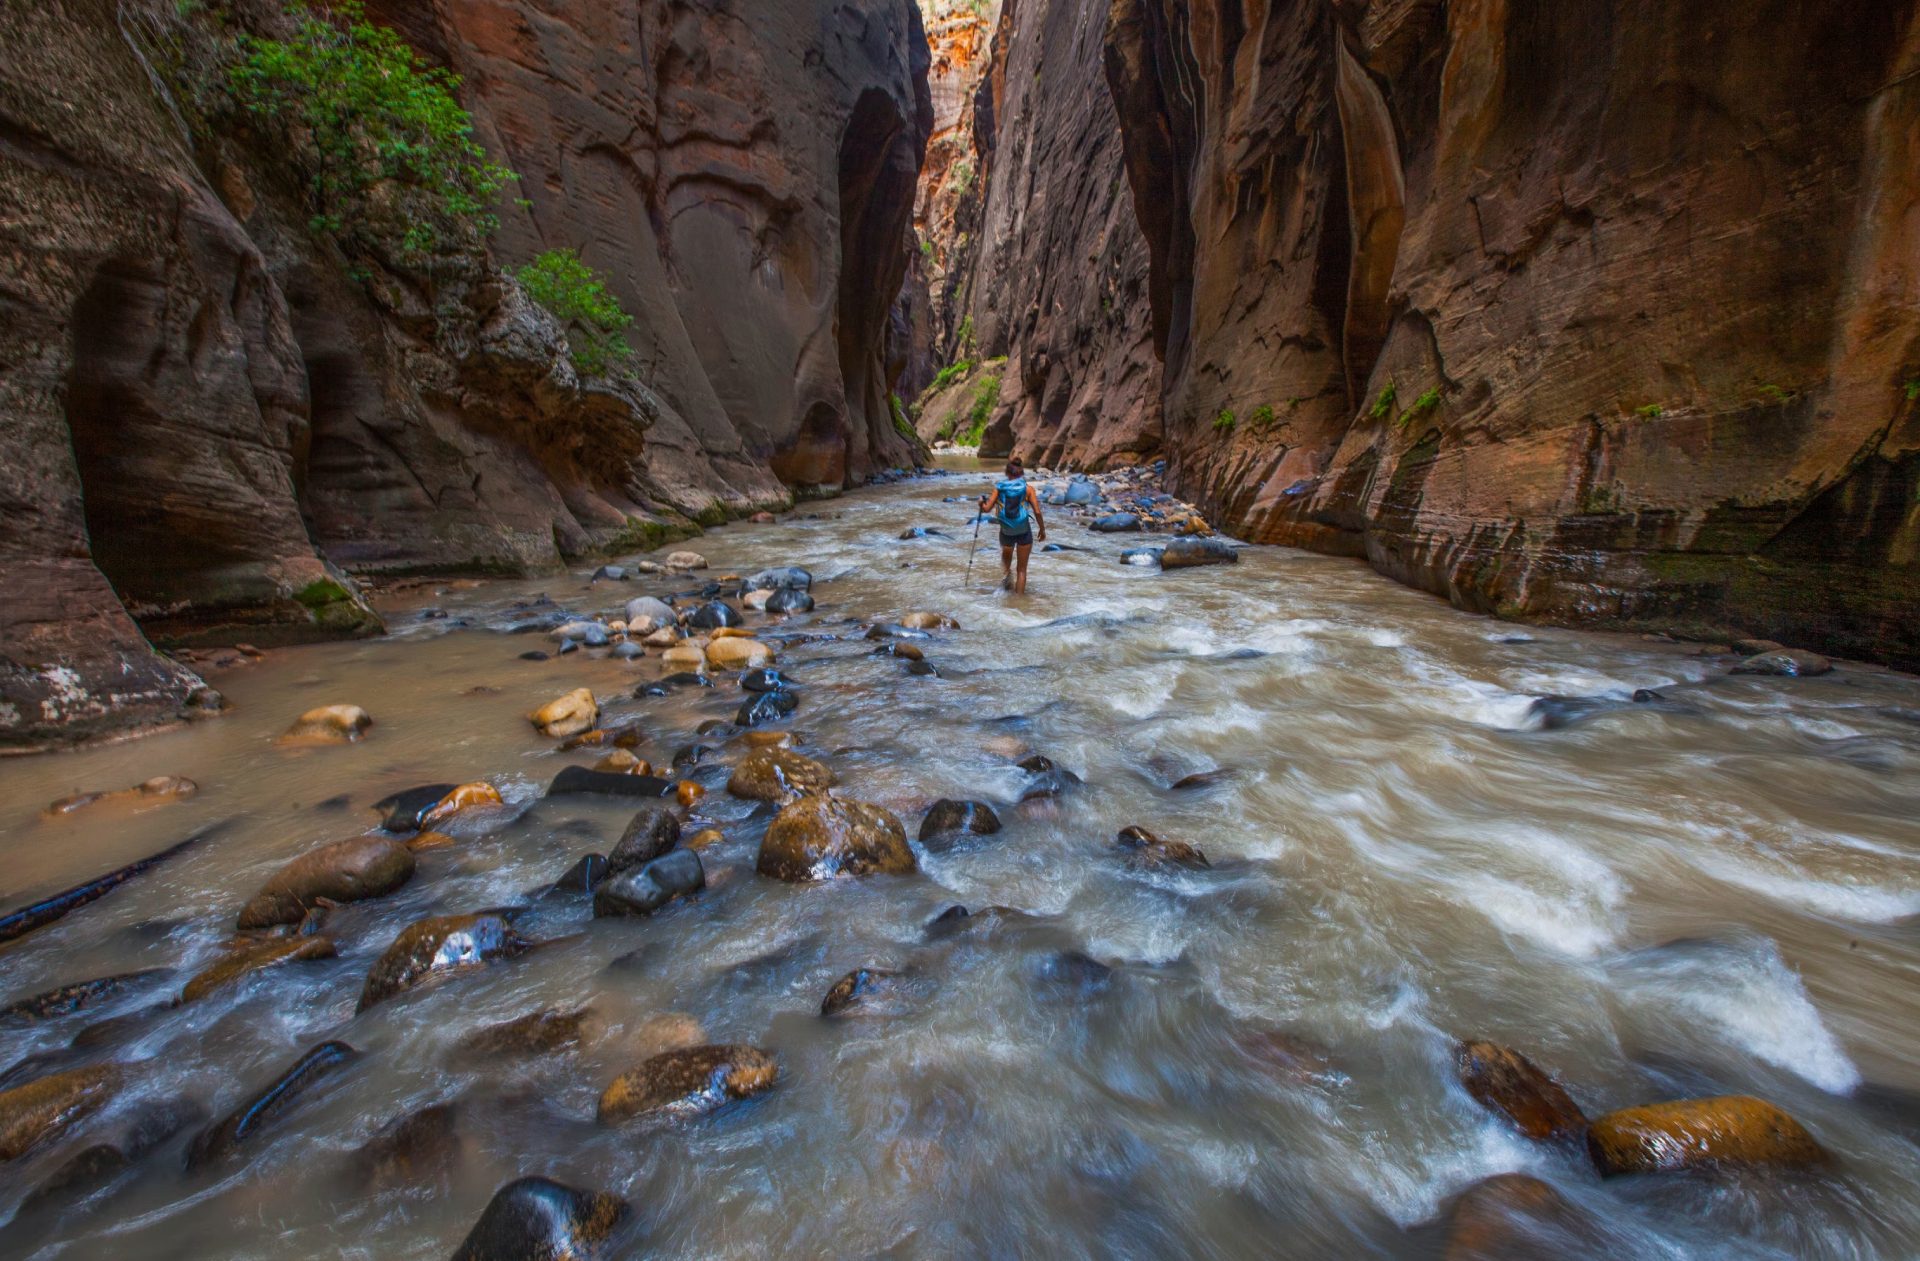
40 1110
538 1219
775 774
434 948
1508 1082
247 958
823 838
1732 1130
245 1125
650 833
647 888
345 871
691 1079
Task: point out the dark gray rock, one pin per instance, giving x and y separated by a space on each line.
652 832
646 889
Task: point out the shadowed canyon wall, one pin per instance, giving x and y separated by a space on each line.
212 415
1594 312
1045 268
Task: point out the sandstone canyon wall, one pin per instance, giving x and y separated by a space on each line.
1059 275
1583 312
211 414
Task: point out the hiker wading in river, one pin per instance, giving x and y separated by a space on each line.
1016 510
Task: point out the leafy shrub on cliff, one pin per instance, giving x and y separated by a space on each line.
577 296
362 109
901 425
1224 422
1426 403
1383 406
986 397
1262 418
943 378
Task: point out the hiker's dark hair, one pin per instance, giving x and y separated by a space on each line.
1014 467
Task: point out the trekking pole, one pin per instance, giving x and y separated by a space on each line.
977 514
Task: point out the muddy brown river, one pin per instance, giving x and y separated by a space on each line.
1714 892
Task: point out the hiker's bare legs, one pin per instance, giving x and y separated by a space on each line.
1006 566
1020 583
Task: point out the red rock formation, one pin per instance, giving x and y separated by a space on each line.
1058 271
1578 312
205 412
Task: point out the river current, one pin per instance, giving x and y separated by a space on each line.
1715 892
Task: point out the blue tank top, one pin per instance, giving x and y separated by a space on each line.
1011 511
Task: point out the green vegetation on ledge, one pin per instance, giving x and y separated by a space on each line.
1383 406
577 296
1224 422
363 110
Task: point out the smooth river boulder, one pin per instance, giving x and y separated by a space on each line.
645 614
772 773
713 615
1787 663
436 947
252 957
783 578
329 724
538 1219
1185 553
646 889
568 715
1509 1083
823 838
650 833
738 654
47 1107
785 601
1690 1133
765 707
947 819
344 871
691 1079
244 1122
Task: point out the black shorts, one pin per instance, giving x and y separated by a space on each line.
1022 539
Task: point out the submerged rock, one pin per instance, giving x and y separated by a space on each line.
66 999
329 724
1509 1083
775 774
822 838
923 621
344 871
1114 523
1690 1133
252 1116
947 818
1075 971
684 561
536 1033
861 992
766 707
252 957
538 1219
650 833
1184 553
419 1150
688 1080
1144 849
568 715
1789 663
47 1107
1516 1217
906 652
436 947
1144 557
150 1125
645 614
161 788
648 888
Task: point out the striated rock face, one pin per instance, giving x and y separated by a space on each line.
1059 272
213 414
1572 312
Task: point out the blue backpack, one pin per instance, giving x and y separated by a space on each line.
1011 511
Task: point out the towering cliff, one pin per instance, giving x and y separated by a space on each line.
213 412
1587 311
1059 275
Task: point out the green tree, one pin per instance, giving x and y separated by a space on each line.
374 113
